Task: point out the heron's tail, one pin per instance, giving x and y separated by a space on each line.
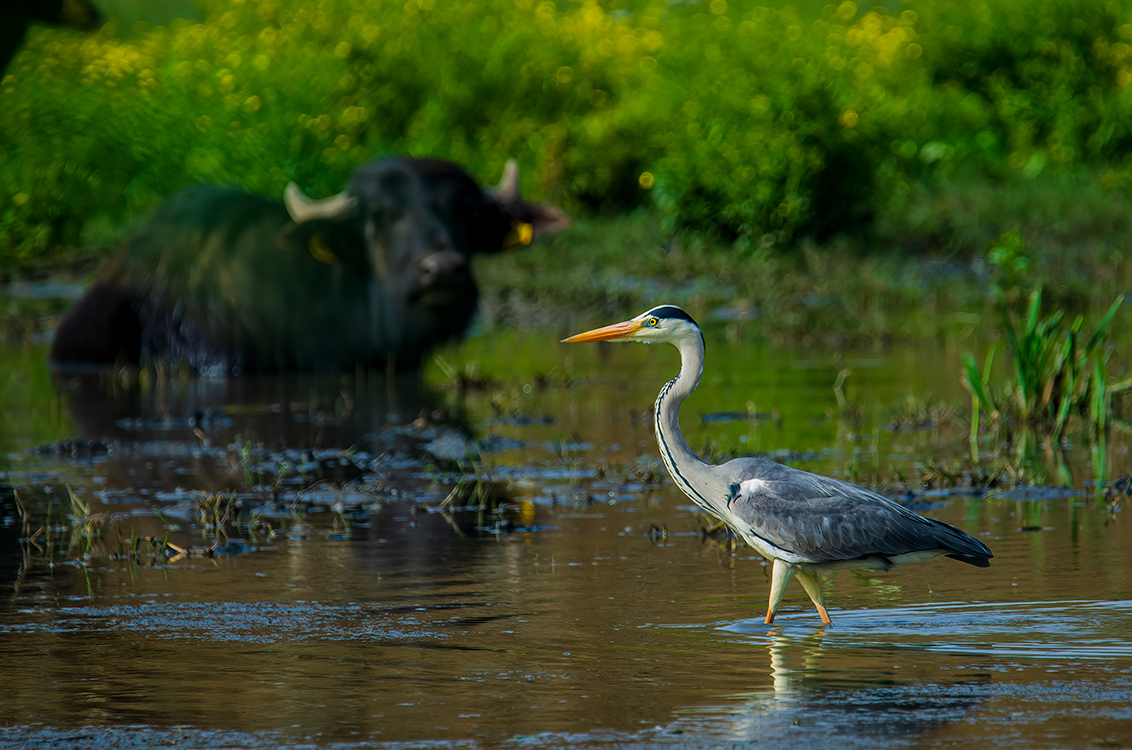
962 546
978 562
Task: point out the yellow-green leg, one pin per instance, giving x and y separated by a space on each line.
780 576
812 586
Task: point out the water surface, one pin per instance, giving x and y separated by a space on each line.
576 603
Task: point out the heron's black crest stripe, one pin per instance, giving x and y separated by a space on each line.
670 312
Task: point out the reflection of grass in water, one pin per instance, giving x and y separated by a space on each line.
471 491
885 589
25 379
27 320
477 488
914 413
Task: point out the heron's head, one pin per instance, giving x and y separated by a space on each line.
662 323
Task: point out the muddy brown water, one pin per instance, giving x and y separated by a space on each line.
348 607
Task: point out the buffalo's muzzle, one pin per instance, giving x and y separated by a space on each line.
442 269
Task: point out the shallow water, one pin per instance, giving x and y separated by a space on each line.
357 610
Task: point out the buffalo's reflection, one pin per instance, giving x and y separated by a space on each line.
269 446
292 410
252 458
11 531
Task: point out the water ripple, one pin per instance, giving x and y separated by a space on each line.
256 622
1077 630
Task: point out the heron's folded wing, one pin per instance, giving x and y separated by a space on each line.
820 519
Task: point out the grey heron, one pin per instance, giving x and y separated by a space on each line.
804 523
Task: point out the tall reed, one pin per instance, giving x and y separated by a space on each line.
1058 373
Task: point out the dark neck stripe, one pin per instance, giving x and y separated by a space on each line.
665 452
687 488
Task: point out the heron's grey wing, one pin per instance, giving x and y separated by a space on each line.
820 519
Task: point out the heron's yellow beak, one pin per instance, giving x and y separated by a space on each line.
616 331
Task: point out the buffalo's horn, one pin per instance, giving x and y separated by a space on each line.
303 208
508 188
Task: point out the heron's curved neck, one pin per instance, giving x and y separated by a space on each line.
682 462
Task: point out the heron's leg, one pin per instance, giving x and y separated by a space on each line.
812 586
779 578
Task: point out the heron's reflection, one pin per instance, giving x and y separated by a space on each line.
783 650
794 659
812 686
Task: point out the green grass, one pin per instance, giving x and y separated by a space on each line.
929 271
1058 370
761 127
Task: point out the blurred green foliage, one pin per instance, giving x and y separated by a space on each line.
749 123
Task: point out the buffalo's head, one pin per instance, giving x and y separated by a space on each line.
418 222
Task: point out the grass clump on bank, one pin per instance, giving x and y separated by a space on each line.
844 291
1058 372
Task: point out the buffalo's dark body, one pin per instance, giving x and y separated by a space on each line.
223 281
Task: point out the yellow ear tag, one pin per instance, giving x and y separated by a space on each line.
321 252
520 235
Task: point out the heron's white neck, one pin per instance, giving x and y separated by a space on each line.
680 460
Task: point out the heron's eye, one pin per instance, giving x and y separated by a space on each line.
652 322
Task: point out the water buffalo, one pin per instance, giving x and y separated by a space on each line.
17 15
221 281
